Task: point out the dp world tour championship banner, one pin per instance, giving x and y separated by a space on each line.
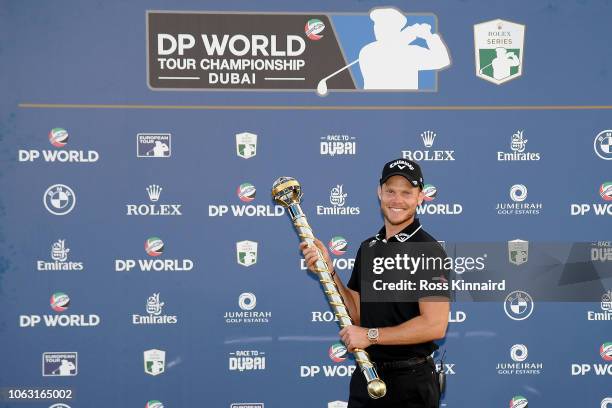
144 263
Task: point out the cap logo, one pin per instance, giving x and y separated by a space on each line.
401 164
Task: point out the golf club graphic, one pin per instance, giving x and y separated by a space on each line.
322 85
288 193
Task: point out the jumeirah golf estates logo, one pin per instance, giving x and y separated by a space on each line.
499 49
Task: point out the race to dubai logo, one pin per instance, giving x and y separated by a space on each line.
385 49
338 145
499 49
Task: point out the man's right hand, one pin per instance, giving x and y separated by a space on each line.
311 256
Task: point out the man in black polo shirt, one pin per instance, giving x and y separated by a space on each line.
398 335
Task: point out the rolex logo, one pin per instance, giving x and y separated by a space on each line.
154 191
428 138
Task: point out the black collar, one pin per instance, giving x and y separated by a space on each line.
402 236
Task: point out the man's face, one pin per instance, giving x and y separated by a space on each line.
399 200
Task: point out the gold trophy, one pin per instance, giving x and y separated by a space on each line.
288 193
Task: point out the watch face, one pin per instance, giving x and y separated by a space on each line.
372 333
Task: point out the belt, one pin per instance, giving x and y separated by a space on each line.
400 364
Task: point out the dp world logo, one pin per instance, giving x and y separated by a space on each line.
154 246
518 305
59 301
338 245
605 191
154 404
605 351
246 192
58 137
313 29
430 192
603 145
59 199
518 402
337 352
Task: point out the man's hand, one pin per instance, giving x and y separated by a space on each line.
311 256
355 337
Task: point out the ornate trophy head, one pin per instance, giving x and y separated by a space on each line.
286 191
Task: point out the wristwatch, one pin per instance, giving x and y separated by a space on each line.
373 335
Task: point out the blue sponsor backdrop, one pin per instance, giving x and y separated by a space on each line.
73 52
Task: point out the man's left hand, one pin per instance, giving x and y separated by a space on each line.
355 337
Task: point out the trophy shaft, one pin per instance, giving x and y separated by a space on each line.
376 387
